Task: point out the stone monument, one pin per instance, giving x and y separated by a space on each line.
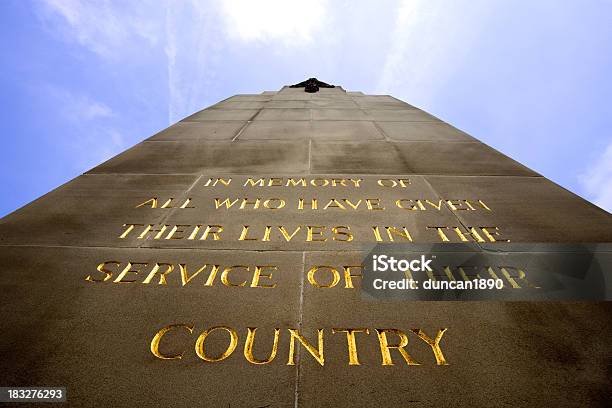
219 262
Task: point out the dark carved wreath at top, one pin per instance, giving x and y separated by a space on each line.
312 85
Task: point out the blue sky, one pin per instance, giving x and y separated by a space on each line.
83 80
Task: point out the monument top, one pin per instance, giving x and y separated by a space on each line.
312 85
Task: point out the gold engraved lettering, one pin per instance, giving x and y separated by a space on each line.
225 273
244 234
260 182
350 204
351 343
257 275
151 201
317 354
195 231
434 344
342 231
313 204
129 228
227 203
277 203
168 203
158 336
385 346
186 203
275 181
213 275
186 278
102 268
315 269
248 347
437 206
391 232
519 275
484 205
376 233
348 275
296 340
457 205
128 269
286 234
246 202
199 347
149 228
218 180
267 232
319 182
294 183
175 229
214 230
492 234
473 233
374 204
440 231
392 183
162 276
334 204
394 231
449 274
315 233
407 204
386 183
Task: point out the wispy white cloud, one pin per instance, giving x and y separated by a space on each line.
83 108
96 110
76 107
90 135
200 37
598 180
187 33
193 43
194 36
104 27
287 21
427 41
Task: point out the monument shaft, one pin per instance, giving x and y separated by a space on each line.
218 263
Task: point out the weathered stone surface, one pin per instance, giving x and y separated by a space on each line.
222 114
197 157
283 114
233 185
333 103
93 337
531 209
423 131
90 210
399 115
277 130
413 157
316 130
345 130
339 114
239 105
205 130
521 353
248 98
